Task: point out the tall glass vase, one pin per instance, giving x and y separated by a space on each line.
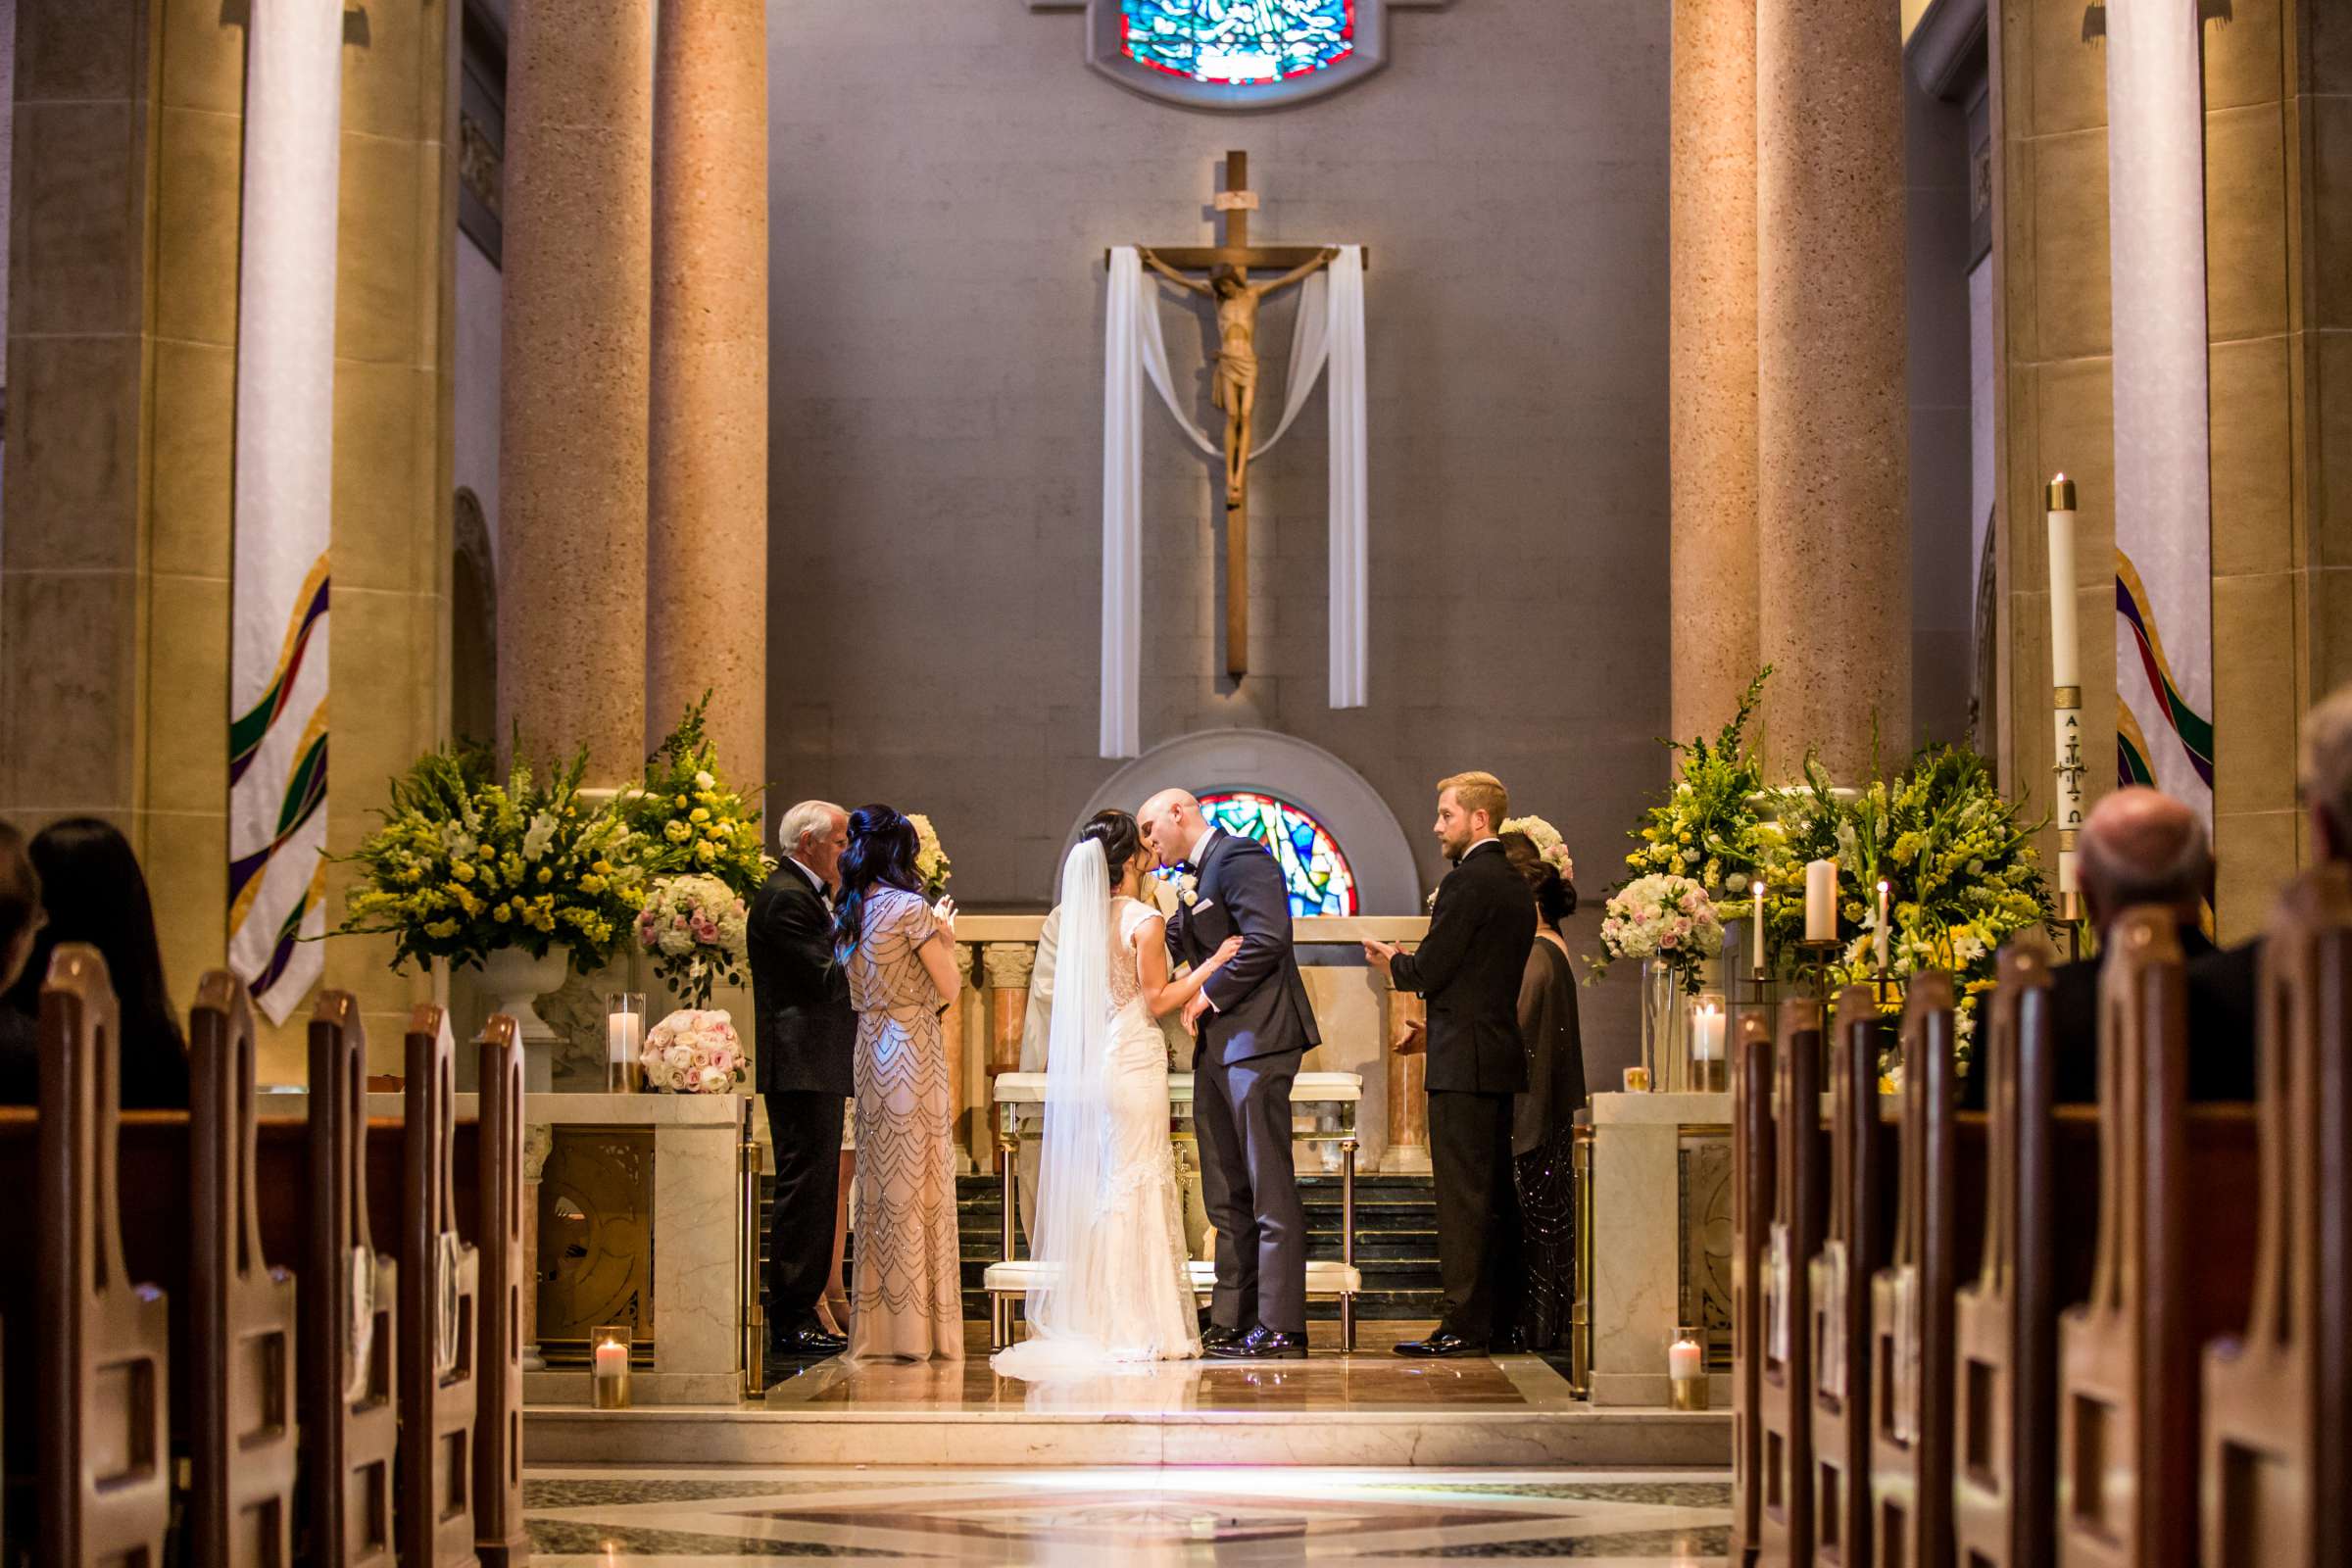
1665 1027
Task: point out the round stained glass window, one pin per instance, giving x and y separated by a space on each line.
1313 868
1238 42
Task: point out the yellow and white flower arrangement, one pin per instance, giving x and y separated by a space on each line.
691 821
466 865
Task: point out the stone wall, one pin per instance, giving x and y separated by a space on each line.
2278 160
945 180
121 341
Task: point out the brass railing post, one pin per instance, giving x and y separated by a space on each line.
753 1315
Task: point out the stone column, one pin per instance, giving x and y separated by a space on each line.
1408 1101
1833 502
1711 359
706 539
1009 966
573 381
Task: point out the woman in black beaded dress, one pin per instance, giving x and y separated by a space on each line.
1542 1138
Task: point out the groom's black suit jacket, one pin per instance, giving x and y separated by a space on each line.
1469 968
1258 1002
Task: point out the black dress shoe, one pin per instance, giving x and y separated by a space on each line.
1262 1344
806 1341
1442 1343
1216 1334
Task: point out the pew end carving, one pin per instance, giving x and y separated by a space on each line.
440 1279
500 1539
2275 1446
2005 1321
1851 1249
1785 1378
242 1334
349 1399
104 1361
1753 1183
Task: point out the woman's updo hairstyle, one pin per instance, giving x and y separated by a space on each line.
880 854
1116 832
1554 895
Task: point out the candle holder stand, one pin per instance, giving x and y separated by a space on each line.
1813 961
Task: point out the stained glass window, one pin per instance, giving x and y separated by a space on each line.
1239 41
1317 873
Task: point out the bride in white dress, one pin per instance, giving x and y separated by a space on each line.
1112 1286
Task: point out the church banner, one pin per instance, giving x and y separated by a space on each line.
2163 486
282 498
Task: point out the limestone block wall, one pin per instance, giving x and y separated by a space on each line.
115 571
2278 303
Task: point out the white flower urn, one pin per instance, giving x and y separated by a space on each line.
513 981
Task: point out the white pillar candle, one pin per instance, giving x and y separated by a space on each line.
611 1360
2066 649
1882 922
1706 1032
1756 922
623 1036
1821 900
1685 1360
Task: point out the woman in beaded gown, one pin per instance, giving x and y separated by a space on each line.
1543 1140
1113 1291
907 1290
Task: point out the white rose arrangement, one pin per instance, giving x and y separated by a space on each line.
695 1052
694 928
1661 916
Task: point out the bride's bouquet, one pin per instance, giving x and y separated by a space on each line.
694 1052
693 927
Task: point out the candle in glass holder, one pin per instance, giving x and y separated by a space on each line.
1637 1080
1821 900
1756 922
1687 1372
609 1366
1708 1022
624 1040
1882 912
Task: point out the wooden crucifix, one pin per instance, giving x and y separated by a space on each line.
1234 387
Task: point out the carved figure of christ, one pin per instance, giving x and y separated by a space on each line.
1234 389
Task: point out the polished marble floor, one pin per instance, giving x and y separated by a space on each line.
1372 1382
643 1517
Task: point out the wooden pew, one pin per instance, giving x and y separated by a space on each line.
1785 1378
2276 1455
1851 1249
1911 1299
500 1539
104 1361
241 1310
2172 1269
1753 1184
349 1413
440 1286
2005 1321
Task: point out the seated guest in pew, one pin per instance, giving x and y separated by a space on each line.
93 891
2140 846
20 920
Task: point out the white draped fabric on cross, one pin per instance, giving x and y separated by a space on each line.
1330 330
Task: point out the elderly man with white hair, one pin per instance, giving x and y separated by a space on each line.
2142 847
806 1035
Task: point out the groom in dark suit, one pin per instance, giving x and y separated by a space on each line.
1251 1025
1469 968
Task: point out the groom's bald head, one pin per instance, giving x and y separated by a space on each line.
1170 821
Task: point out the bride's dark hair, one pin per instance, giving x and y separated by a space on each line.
1116 832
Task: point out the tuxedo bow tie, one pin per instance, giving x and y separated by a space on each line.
1186 868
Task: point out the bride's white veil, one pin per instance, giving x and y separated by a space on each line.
1068 1304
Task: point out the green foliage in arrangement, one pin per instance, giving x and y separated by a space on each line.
1706 827
688 820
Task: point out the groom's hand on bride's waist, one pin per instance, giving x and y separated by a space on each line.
1193 1011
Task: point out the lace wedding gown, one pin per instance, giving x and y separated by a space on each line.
1113 1286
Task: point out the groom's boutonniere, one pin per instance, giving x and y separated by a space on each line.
1188 889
